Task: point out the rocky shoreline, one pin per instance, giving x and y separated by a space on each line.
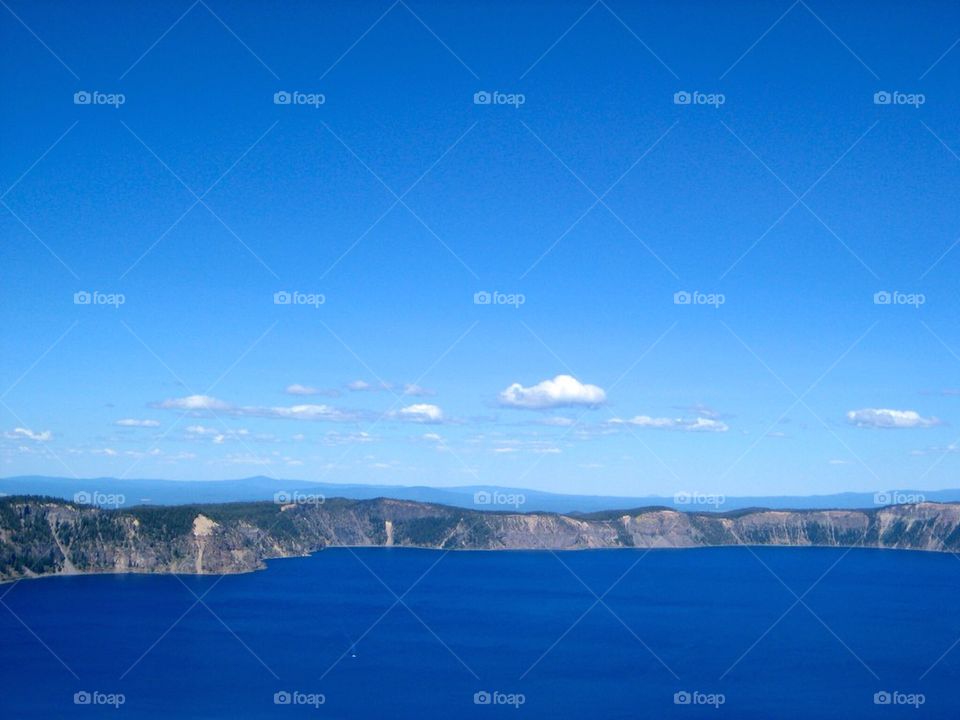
44 536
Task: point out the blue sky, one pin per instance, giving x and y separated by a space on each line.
783 197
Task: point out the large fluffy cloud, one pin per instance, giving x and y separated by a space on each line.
699 424
889 419
562 391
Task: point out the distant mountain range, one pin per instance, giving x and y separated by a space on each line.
115 492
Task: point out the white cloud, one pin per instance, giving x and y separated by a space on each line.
421 412
699 424
562 391
557 421
201 430
133 422
298 389
246 459
194 402
432 437
333 438
889 419
300 412
19 432
416 390
364 386
219 436
307 411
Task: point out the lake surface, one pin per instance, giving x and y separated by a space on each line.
705 633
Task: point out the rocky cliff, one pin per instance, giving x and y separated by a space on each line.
44 536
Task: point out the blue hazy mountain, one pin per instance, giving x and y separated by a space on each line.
109 491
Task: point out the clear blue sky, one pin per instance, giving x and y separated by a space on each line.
797 199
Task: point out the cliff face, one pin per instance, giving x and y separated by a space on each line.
41 536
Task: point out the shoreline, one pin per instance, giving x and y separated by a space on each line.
426 548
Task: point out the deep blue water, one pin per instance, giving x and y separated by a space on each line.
712 621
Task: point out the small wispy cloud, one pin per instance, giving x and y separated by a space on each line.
20 433
133 422
194 403
886 419
421 412
556 421
298 389
201 405
698 424
364 386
